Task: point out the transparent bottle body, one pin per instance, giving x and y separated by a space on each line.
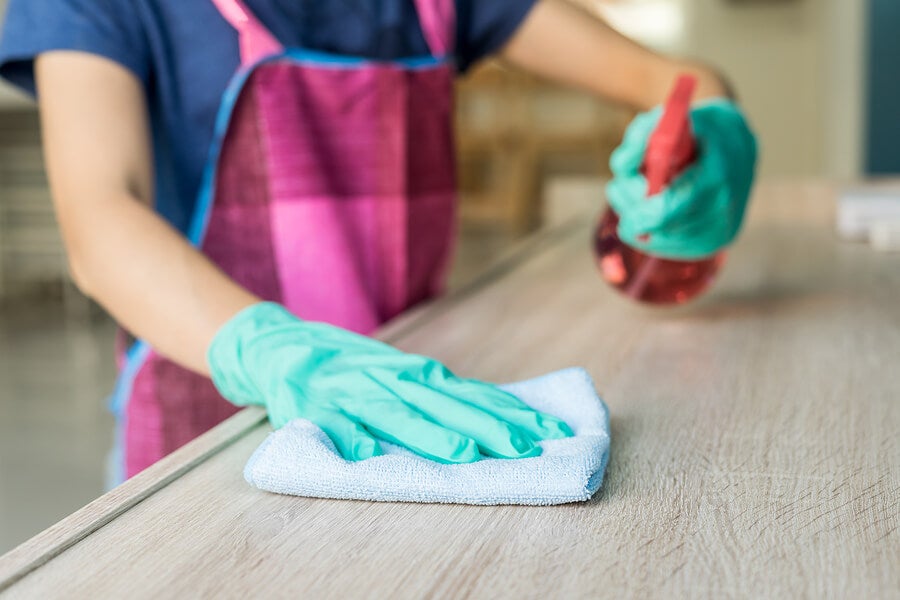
647 278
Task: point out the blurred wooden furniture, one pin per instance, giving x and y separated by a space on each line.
32 256
514 131
30 247
754 449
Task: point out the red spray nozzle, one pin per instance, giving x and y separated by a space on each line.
671 147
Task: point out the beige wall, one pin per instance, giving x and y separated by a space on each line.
772 52
797 65
844 78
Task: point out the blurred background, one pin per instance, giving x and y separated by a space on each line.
815 77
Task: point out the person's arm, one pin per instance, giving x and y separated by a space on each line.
121 253
565 44
701 211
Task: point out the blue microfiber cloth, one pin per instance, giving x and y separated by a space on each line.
299 459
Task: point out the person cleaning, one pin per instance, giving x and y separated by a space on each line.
251 186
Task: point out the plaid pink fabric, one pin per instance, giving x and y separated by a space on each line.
334 194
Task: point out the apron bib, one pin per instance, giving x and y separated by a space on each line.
330 188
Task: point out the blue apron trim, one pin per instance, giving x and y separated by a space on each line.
135 358
114 474
137 355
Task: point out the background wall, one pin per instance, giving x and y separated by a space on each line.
772 51
844 73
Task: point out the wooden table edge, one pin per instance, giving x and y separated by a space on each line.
53 541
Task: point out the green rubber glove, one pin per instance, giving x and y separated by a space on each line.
356 388
701 211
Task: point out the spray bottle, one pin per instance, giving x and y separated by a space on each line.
642 277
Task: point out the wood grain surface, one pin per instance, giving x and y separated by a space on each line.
754 449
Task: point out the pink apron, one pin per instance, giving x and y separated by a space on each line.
330 188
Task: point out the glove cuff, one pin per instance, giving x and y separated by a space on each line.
231 351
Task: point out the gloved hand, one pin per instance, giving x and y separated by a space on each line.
353 386
701 211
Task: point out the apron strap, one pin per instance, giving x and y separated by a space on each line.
255 40
438 21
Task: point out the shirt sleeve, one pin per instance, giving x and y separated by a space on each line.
484 26
108 28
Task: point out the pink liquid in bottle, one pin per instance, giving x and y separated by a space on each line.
638 275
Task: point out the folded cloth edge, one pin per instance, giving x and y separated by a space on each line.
583 480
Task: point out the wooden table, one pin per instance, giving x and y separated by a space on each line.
754 449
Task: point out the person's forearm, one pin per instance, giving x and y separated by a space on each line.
99 163
563 43
150 279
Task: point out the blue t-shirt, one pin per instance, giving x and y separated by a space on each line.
185 53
